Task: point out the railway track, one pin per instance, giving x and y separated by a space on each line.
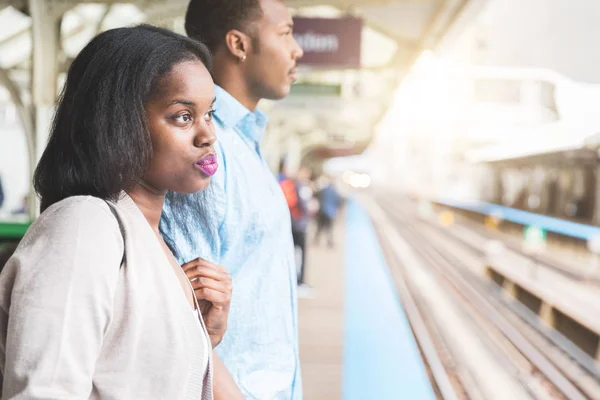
532 361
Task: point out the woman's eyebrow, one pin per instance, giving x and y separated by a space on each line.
181 101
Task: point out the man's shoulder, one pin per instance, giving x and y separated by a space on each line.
225 135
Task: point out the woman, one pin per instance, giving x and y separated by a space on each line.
92 303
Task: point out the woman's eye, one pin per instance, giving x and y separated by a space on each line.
183 118
209 115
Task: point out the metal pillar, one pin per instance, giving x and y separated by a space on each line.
46 42
46 16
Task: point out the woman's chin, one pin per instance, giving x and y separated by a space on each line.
200 186
191 186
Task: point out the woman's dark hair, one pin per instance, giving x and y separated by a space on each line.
99 143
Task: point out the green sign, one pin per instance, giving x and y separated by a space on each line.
534 234
13 230
535 238
316 89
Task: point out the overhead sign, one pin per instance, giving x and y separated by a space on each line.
329 42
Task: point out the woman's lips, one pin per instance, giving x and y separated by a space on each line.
208 164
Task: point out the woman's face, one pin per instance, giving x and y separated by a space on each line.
181 129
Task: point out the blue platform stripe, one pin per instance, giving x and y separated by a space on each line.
381 358
556 225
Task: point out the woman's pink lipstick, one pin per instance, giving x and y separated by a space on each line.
208 164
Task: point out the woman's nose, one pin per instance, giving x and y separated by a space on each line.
205 137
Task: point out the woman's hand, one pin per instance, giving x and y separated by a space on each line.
212 286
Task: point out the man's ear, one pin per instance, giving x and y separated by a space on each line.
237 44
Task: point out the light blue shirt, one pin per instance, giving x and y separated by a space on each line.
243 223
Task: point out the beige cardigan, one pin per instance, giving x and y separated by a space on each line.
77 323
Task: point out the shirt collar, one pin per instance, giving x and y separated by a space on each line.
233 114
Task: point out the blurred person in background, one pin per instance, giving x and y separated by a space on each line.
329 204
242 220
299 194
1 193
282 172
23 208
92 302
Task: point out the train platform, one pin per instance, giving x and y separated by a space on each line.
355 340
503 315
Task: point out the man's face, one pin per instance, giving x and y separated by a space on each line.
271 67
303 174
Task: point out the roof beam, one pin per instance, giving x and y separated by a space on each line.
18 4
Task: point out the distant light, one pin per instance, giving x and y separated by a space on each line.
362 181
355 180
447 218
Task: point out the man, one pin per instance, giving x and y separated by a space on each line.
1 193
299 203
242 221
329 203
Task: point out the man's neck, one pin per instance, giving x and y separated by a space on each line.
231 79
239 93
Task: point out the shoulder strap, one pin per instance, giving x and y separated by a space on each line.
113 210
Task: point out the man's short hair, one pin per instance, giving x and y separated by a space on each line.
209 20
